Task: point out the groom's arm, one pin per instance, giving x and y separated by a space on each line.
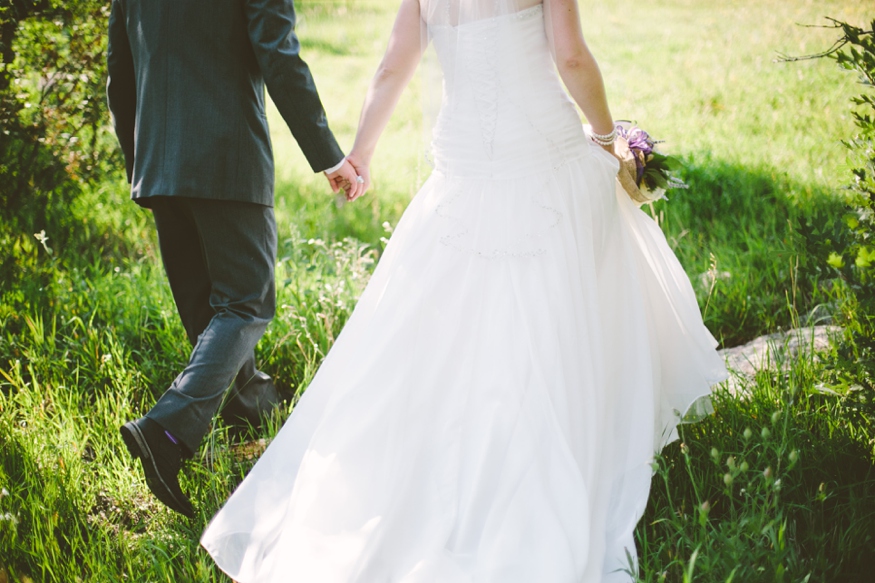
272 34
121 84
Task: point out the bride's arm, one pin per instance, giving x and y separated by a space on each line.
577 66
392 76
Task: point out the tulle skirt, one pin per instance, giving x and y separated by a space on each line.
490 412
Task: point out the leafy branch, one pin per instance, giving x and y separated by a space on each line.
850 35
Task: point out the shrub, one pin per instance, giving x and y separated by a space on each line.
848 249
854 256
54 138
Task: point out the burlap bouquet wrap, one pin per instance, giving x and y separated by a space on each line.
627 176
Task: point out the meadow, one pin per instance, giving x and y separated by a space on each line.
777 486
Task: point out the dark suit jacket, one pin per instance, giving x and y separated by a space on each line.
186 92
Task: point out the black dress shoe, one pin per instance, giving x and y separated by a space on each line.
162 460
250 402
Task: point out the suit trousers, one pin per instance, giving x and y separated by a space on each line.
219 257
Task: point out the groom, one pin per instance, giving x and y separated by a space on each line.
186 93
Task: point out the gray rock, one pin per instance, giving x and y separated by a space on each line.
775 352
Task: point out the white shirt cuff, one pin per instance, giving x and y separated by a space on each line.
336 167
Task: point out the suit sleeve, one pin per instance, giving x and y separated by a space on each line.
271 25
121 85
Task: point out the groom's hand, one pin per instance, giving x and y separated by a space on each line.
346 178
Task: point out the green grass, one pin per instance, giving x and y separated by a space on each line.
777 486
89 336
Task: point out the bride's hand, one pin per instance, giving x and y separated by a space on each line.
610 150
363 171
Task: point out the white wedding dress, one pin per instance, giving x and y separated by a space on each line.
490 412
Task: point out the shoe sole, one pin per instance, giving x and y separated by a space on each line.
135 441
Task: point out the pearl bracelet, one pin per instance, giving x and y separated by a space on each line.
604 139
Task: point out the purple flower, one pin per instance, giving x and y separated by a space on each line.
637 139
640 140
640 144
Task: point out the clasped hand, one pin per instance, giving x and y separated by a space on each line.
353 178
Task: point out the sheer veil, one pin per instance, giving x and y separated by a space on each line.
462 26
457 13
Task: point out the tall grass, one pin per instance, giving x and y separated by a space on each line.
89 337
776 486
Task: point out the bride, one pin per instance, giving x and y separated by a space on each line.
528 341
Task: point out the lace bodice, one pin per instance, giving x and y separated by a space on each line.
504 111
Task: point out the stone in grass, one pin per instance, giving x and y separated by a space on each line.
242 452
775 352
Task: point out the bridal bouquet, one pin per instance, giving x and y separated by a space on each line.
645 173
